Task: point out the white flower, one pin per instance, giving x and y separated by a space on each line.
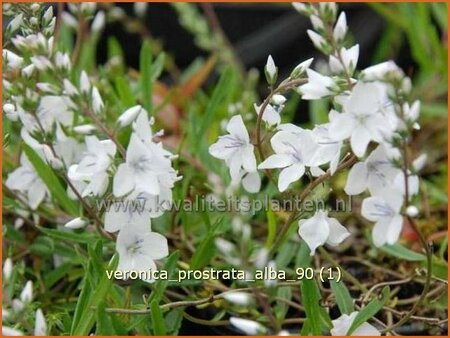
140 9
318 86
235 148
412 211
85 83
340 30
26 296
301 68
366 117
419 163
10 111
301 7
138 248
69 88
321 229
248 327
88 184
76 223
238 298
97 102
344 322
28 71
55 108
329 150
147 169
41 62
349 60
15 23
9 331
411 114
318 41
316 22
251 181
271 70
7 269
40 326
413 184
270 115
135 206
385 211
376 173
99 22
292 153
380 71
48 14
62 61
84 129
12 60
129 116
98 156
26 180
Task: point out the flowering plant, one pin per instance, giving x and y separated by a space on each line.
103 223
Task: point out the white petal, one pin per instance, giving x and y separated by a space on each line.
123 180
341 126
237 128
370 208
289 175
156 245
252 182
40 327
338 233
248 159
276 161
359 141
314 231
357 179
366 330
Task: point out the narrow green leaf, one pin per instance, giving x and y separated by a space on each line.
402 252
124 91
46 173
145 63
271 228
104 326
157 67
96 294
311 297
159 326
66 235
369 311
207 248
218 99
343 298
161 284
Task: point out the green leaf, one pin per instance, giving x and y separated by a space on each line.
91 296
207 248
157 67
343 298
46 173
218 99
161 284
402 252
145 63
159 326
124 91
271 228
104 326
369 310
67 235
311 297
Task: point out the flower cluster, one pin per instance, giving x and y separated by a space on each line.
64 122
370 119
19 310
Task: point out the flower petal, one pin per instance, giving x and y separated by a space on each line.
289 175
357 179
277 161
338 233
123 182
314 231
359 140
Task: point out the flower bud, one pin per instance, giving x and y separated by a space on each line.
271 71
76 223
26 296
412 211
238 298
7 269
249 327
129 116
